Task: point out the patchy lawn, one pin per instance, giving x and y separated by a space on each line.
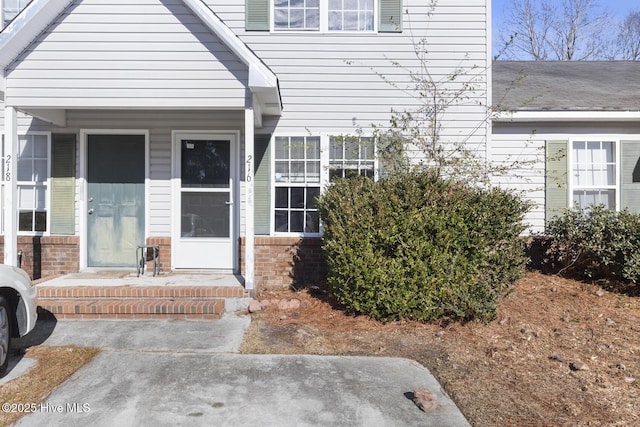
55 365
560 353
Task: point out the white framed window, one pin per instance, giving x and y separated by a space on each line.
296 184
351 156
33 170
296 14
10 8
350 15
325 15
303 165
594 170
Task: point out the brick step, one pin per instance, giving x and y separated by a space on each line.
140 302
201 292
133 308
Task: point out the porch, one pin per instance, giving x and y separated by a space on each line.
131 150
121 294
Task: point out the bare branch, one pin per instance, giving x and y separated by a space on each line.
576 30
629 37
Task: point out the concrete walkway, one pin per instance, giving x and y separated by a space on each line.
177 372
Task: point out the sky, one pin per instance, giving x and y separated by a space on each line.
617 8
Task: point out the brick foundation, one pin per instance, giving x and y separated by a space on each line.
165 253
286 261
279 261
44 256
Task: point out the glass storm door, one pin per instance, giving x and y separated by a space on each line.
205 202
115 190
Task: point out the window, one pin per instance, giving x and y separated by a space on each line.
10 8
350 15
598 169
297 14
384 16
350 157
324 15
303 165
594 173
33 174
297 184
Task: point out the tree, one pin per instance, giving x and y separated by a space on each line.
439 238
543 30
629 37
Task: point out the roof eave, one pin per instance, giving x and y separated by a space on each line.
567 116
21 32
262 81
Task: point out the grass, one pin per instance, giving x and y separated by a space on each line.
54 366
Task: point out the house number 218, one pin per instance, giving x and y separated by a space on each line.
7 162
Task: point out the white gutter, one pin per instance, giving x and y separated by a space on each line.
567 116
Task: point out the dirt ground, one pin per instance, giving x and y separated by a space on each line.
560 353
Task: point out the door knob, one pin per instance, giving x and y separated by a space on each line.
90 211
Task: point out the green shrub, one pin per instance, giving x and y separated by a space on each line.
420 247
597 243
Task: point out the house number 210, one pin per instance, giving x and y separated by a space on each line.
249 177
7 174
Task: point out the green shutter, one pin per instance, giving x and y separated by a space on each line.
556 175
630 179
63 183
262 185
390 16
257 15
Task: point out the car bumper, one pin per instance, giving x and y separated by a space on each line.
31 307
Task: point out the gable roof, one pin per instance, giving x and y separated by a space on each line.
566 86
39 14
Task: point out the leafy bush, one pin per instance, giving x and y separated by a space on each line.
417 246
597 243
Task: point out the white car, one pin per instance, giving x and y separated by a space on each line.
18 309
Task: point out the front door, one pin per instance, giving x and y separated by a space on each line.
205 195
115 199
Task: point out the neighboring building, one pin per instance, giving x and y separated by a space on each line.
576 125
208 127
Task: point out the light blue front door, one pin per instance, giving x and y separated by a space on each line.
115 191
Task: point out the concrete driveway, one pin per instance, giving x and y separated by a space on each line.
170 372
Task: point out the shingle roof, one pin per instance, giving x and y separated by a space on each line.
566 85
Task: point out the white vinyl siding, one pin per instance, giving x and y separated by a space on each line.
151 64
332 82
142 54
525 144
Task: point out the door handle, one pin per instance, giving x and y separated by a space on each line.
228 203
90 211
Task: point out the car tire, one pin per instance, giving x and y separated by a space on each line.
5 334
